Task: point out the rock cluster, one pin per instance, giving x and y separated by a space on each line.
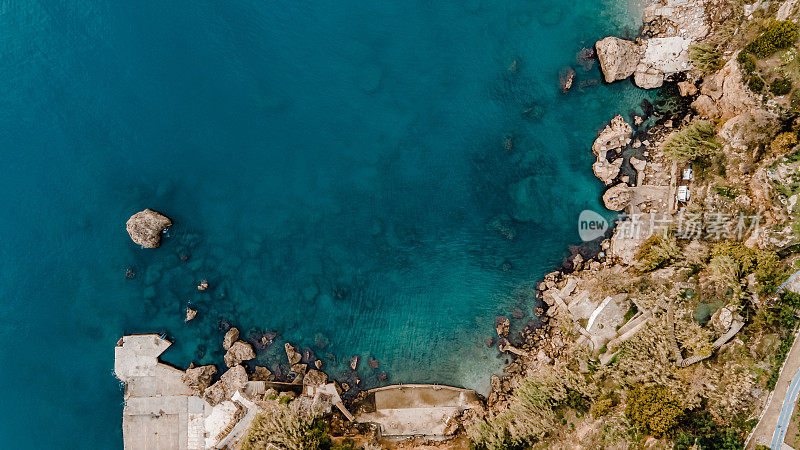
239 352
232 380
199 378
145 227
650 61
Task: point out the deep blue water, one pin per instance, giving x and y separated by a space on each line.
336 170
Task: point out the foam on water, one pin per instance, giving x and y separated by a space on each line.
337 171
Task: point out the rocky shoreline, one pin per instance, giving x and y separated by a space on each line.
606 296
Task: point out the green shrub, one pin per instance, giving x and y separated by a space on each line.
781 86
756 84
726 191
653 410
746 62
696 141
794 100
528 417
783 142
287 426
779 35
705 58
656 252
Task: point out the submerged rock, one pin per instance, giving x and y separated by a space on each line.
373 363
239 351
618 58
145 227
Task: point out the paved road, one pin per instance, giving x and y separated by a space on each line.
786 412
784 395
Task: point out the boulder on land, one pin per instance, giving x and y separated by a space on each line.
145 227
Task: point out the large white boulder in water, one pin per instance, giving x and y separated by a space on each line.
145 227
618 58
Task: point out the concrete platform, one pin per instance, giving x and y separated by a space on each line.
415 409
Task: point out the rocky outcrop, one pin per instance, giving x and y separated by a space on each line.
292 353
230 381
190 314
687 88
230 337
705 107
145 227
615 135
240 351
607 171
647 76
618 197
566 77
649 62
730 96
315 378
618 58
502 325
263 374
354 362
199 378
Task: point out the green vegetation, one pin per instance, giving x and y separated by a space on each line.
696 141
781 86
700 429
731 261
529 416
726 191
756 84
289 427
779 35
632 310
657 252
783 142
654 410
747 63
706 58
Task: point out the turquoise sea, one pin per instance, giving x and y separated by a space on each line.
337 171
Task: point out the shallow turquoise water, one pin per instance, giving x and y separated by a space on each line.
333 170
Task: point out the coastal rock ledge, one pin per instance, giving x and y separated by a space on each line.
145 227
